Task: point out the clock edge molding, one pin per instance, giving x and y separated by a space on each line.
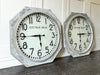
14 50
65 28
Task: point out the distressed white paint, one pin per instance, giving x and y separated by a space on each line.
61 8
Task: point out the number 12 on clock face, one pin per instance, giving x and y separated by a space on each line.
37 36
79 34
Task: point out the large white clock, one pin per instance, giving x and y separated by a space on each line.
36 36
79 34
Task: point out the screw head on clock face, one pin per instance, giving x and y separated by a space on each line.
37 36
79 37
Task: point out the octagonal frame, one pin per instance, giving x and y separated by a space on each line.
67 45
13 46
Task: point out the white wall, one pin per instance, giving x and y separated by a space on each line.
9 8
61 8
95 17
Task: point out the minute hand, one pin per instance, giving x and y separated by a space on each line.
81 34
34 36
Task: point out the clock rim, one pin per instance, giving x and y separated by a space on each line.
67 45
47 14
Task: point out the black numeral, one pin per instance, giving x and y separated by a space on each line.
47 50
70 27
25 45
22 35
80 47
30 20
89 34
38 17
53 35
24 27
84 45
32 49
78 20
74 22
71 41
75 45
45 20
51 27
69 34
39 53
87 40
51 43
86 27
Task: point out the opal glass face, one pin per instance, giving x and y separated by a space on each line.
80 34
38 36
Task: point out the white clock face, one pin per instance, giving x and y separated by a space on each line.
37 36
80 34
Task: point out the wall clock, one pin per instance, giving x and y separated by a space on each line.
35 36
78 34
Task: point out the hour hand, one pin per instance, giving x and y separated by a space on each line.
40 41
79 36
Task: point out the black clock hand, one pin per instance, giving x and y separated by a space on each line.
40 41
35 35
39 38
81 33
89 33
42 35
79 36
24 36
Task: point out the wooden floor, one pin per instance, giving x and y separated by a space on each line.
87 65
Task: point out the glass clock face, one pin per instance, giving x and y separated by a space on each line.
37 36
80 34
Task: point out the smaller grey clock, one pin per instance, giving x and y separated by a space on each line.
78 34
35 36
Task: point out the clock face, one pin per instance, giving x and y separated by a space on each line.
37 36
80 34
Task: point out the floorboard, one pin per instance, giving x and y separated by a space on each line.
87 65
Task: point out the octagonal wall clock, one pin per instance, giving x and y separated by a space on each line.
35 36
78 34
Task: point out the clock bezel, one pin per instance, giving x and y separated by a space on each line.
67 45
18 53
46 14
